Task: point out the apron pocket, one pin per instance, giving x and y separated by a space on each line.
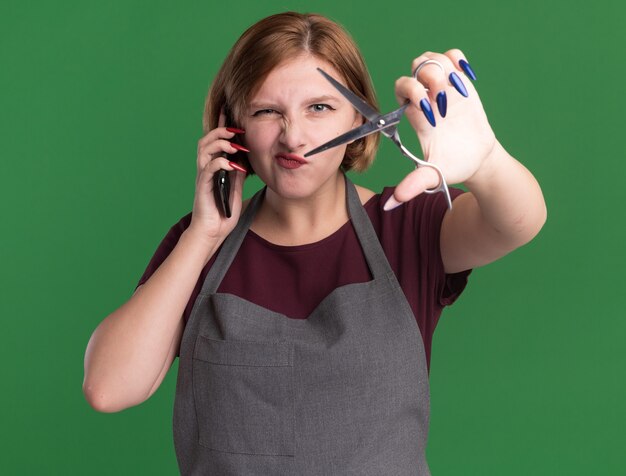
244 396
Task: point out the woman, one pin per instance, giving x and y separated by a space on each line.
303 322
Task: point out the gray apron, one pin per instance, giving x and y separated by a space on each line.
343 392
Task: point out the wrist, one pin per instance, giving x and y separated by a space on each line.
201 244
488 170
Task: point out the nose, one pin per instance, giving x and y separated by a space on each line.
292 135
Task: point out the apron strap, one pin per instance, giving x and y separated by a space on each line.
228 250
372 249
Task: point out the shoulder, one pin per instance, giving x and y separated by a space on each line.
365 194
170 240
165 247
423 214
180 226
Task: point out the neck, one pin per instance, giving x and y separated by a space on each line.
292 222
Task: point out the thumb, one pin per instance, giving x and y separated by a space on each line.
422 178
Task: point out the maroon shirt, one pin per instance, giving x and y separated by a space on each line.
293 280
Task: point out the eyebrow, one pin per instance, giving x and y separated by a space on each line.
313 100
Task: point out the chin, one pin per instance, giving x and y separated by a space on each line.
291 190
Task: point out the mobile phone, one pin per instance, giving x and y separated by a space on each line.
221 188
221 184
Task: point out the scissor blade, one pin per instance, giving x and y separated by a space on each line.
349 136
365 130
359 104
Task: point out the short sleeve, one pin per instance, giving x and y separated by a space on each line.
448 286
164 249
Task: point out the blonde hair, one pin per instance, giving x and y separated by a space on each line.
274 40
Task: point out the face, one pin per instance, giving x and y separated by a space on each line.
295 110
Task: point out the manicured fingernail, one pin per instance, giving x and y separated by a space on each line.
428 111
239 147
237 167
391 204
442 103
467 69
458 84
235 130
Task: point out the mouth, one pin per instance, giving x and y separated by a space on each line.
290 161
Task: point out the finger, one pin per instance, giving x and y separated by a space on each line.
222 122
220 132
225 164
458 59
434 77
216 149
223 146
215 134
421 179
431 75
219 163
410 89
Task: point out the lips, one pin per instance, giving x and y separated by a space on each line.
290 161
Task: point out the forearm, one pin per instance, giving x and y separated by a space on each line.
504 210
509 199
127 351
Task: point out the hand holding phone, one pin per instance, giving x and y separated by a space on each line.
221 180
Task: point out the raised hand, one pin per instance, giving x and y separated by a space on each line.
449 119
206 219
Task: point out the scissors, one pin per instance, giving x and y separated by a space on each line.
385 123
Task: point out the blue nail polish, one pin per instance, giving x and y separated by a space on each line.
467 69
442 103
428 111
458 84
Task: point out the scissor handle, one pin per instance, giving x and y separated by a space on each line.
442 187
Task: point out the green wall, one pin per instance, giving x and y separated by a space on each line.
100 113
